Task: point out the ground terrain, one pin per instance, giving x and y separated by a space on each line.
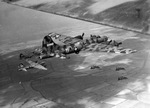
126 14
69 83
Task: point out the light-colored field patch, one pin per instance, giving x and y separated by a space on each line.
137 85
124 92
102 5
89 28
6 48
89 103
8 57
27 3
100 59
32 2
127 104
114 100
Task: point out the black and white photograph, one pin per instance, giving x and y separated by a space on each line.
74 54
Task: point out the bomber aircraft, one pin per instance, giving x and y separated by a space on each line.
31 65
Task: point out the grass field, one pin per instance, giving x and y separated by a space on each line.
129 14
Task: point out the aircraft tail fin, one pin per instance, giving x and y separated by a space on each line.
21 56
82 34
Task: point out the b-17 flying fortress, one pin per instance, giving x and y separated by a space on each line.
74 53
57 45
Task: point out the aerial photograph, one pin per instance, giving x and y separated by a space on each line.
74 54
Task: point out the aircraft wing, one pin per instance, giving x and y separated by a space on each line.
23 69
58 42
62 40
36 65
